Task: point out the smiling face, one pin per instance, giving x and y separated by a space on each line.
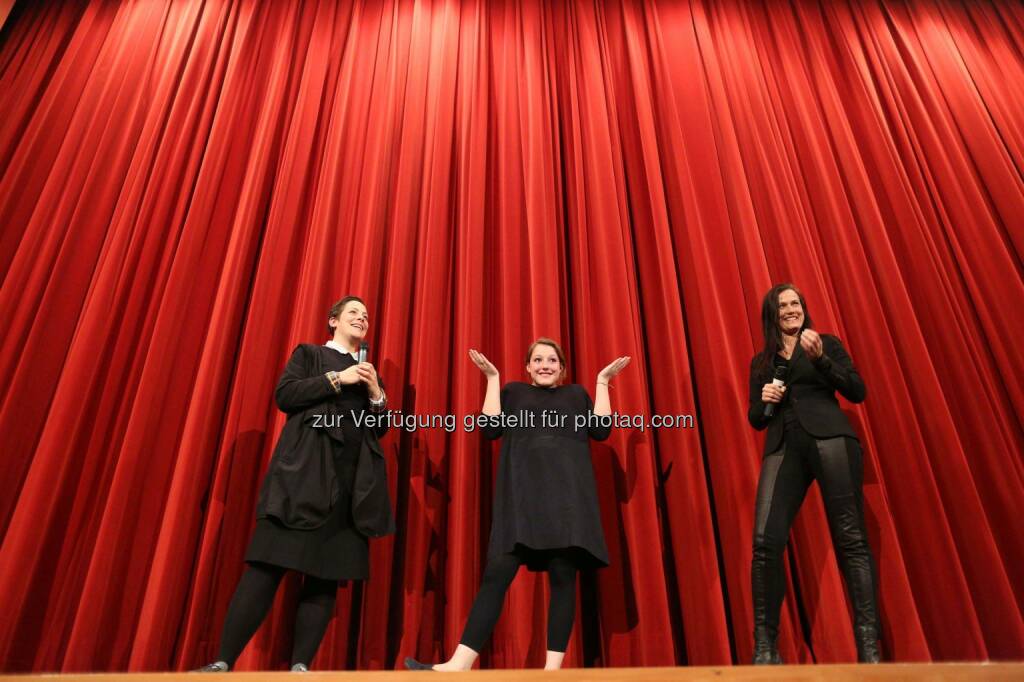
791 312
351 324
544 367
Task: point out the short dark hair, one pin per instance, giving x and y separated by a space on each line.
337 308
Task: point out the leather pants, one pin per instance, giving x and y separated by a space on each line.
837 465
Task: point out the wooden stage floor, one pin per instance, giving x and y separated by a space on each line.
890 671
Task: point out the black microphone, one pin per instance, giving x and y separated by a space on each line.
780 380
364 351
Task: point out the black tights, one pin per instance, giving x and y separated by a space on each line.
253 599
785 476
498 576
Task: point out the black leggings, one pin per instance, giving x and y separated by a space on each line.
837 465
498 576
253 599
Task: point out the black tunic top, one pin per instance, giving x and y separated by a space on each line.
305 514
546 497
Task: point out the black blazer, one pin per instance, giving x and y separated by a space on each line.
811 393
301 485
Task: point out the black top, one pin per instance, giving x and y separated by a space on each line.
811 394
789 418
546 496
326 491
302 485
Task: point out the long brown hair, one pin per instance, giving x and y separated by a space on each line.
770 325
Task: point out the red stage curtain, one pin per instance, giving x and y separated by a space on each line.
186 186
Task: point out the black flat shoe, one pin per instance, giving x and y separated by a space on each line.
413 664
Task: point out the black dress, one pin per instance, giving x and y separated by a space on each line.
334 550
545 500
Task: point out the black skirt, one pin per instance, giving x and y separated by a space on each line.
335 550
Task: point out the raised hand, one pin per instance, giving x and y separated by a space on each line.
810 341
485 365
368 375
350 376
612 370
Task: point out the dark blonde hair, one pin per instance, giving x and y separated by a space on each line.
545 341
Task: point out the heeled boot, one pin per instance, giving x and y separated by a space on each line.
765 650
867 644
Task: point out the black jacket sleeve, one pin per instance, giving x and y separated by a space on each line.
296 389
836 367
755 413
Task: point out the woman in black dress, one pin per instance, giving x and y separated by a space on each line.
309 518
546 512
808 438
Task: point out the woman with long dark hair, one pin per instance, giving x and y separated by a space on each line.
324 494
809 438
546 513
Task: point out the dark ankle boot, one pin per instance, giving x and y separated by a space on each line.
867 644
765 651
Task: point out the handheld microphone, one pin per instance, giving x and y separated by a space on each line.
779 380
364 351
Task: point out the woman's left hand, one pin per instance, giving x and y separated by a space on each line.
810 341
368 375
609 372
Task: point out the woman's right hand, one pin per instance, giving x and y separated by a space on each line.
485 365
771 393
350 376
